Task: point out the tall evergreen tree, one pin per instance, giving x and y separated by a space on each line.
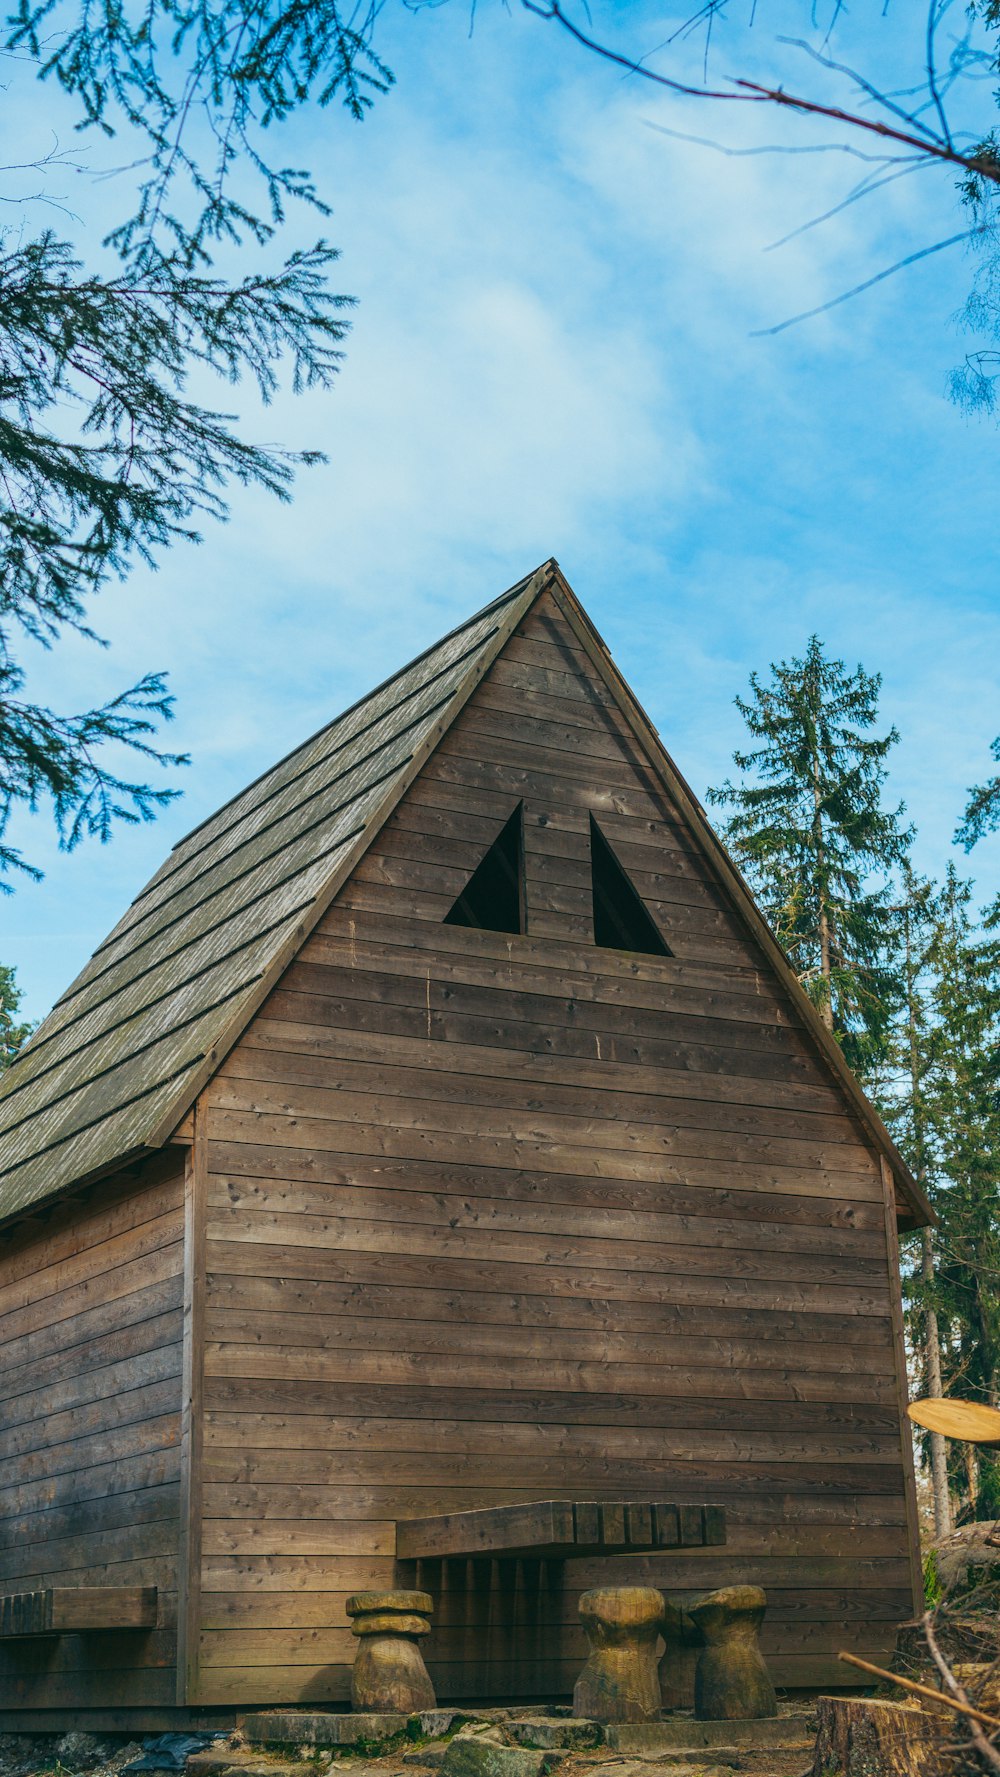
808 827
13 1033
962 1099
903 1099
105 457
982 811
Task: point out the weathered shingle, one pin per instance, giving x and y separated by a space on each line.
120 1054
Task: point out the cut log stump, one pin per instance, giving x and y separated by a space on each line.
865 1737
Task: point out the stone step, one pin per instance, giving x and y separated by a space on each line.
327 1727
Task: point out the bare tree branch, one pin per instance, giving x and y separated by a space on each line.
879 278
981 163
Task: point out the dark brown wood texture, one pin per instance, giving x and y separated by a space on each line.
560 1528
60 1610
90 1325
497 1218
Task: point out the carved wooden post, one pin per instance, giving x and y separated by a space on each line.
731 1681
620 1681
389 1676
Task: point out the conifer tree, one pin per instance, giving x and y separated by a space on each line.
105 457
808 828
962 1099
902 1096
13 1034
982 811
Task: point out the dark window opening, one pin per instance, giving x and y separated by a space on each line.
493 898
621 922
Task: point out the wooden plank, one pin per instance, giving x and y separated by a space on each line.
670 983
527 1212
271 1332
557 1607
508 1530
782 1195
126 1280
143 1402
109 1331
131 1437
661 1258
119 1208
468 1103
303 1305
507 1138
82 1519
272 1445
902 1394
123 1248
153 1361
450 1370
585 1087
262 1258
69 1610
543 1528
868 1522
192 1413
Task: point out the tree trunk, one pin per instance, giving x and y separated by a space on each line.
826 1009
971 1476
933 1385
861 1737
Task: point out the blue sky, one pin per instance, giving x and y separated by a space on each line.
556 352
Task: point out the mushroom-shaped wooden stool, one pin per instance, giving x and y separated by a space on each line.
731 1681
389 1676
620 1681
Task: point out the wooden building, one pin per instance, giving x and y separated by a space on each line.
442 1126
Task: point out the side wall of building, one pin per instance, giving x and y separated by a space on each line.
494 1218
91 1316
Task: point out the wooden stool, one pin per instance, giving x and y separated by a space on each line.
620 1681
731 1681
389 1676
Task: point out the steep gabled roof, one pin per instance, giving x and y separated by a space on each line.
119 1060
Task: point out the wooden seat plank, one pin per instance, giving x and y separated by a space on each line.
560 1529
74 1610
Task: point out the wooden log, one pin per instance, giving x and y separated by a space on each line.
865 1737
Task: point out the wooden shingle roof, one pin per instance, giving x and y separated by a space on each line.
113 1069
114 1066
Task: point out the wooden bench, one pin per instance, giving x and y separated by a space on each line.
559 1529
75 1610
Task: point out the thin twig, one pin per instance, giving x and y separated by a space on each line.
983 1746
878 278
976 1717
964 1707
983 166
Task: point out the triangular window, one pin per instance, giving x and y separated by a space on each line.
493 898
620 919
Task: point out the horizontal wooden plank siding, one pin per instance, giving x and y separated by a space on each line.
91 1329
494 1218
